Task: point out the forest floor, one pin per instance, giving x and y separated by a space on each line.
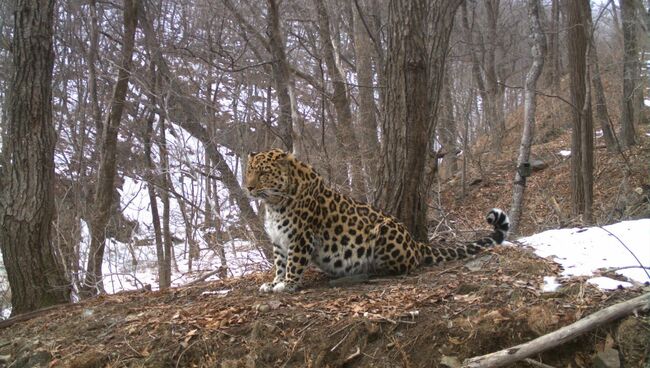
437 314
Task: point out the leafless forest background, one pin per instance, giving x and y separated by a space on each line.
209 81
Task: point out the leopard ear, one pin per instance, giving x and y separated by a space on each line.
251 154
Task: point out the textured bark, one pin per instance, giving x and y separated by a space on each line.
27 166
582 133
342 105
105 185
165 258
538 51
447 131
414 72
494 103
476 63
281 75
552 70
629 110
367 118
599 95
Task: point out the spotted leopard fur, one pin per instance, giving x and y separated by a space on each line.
308 222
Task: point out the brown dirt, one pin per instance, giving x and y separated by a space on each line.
411 321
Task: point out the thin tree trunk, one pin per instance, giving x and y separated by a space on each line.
447 131
476 64
35 276
601 105
281 75
629 110
494 102
538 51
105 186
164 279
342 105
367 107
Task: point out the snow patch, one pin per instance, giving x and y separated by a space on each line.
550 284
565 153
606 283
586 251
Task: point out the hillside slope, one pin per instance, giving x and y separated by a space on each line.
456 310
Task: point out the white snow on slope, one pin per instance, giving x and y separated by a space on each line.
583 251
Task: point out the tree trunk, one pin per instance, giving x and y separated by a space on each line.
366 116
629 110
414 75
599 94
476 64
552 71
538 51
494 102
281 75
36 278
105 186
447 131
582 134
152 180
342 105
164 259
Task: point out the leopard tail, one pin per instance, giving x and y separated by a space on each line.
441 253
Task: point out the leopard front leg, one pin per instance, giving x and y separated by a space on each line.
298 256
280 261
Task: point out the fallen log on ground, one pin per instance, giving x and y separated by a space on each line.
558 337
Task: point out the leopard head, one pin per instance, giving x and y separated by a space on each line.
267 175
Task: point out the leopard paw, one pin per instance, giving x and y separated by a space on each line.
284 287
267 287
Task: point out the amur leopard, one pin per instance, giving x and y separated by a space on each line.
308 222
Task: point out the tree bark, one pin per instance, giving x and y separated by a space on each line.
165 259
447 131
35 277
538 51
342 105
281 75
494 103
414 75
105 185
629 110
582 133
599 94
366 116
552 71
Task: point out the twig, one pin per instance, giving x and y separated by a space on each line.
645 269
559 337
352 356
340 342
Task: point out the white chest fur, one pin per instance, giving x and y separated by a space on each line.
277 233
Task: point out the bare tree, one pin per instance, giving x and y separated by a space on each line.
105 184
582 133
366 114
414 73
27 166
629 109
341 99
538 51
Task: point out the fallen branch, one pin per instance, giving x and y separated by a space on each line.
558 337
